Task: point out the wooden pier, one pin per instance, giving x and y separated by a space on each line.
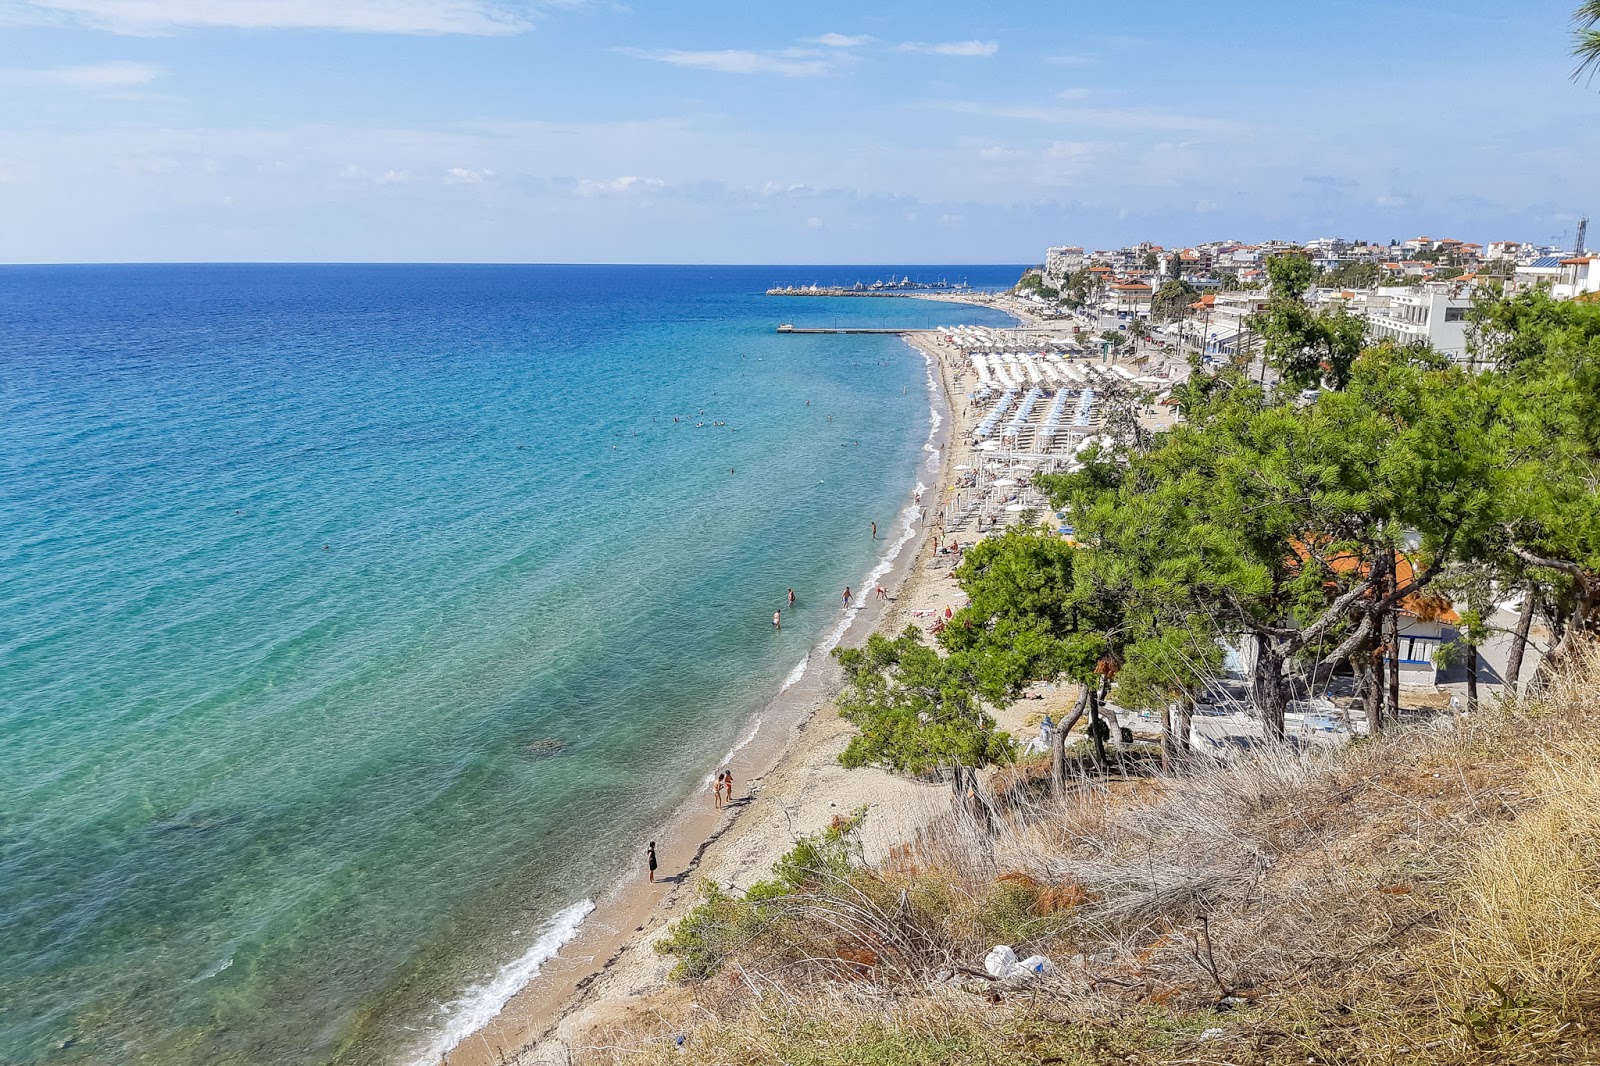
786 328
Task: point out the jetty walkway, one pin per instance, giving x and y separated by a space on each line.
786 328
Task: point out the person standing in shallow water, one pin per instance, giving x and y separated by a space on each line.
777 619
791 597
874 531
651 861
847 595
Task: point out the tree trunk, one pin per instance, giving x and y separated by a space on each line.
1372 691
1077 711
1519 639
1097 728
1113 723
1168 741
1267 688
1058 757
1393 623
1567 629
1185 722
1472 678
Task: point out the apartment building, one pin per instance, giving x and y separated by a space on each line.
1434 313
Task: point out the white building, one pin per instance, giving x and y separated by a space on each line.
1061 262
1579 275
1131 297
1434 314
1230 315
1545 270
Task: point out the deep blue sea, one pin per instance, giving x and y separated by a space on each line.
355 621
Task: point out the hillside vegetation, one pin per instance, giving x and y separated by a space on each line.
1427 896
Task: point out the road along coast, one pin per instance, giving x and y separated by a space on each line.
788 784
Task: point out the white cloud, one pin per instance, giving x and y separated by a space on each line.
94 77
144 17
1116 118
467 176
353 172
976 49
619 186
840 40
790 63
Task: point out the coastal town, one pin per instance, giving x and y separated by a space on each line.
1415 291
1109 333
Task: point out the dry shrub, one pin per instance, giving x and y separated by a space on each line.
1432 896
1524 952
857 1027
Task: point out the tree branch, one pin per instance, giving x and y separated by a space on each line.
1360 635
1562 565
1336 610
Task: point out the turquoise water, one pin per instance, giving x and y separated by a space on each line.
356 621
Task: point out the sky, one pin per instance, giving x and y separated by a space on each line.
756 132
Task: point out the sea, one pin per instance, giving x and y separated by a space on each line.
358 622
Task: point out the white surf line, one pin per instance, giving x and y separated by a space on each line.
885 564
796 674
478 1005
755 728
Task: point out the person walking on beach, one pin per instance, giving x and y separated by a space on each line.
847 597
791 597
883 593
777 619
651 862
727 785
716 792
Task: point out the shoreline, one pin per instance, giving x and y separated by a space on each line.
789 784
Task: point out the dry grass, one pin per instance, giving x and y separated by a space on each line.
1431 896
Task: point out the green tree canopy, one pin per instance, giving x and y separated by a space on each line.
1586 38
1307 348
1172 300
916 710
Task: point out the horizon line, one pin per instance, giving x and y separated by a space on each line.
468 262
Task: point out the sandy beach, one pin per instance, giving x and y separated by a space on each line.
788 784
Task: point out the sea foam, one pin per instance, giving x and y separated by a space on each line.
478 1005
